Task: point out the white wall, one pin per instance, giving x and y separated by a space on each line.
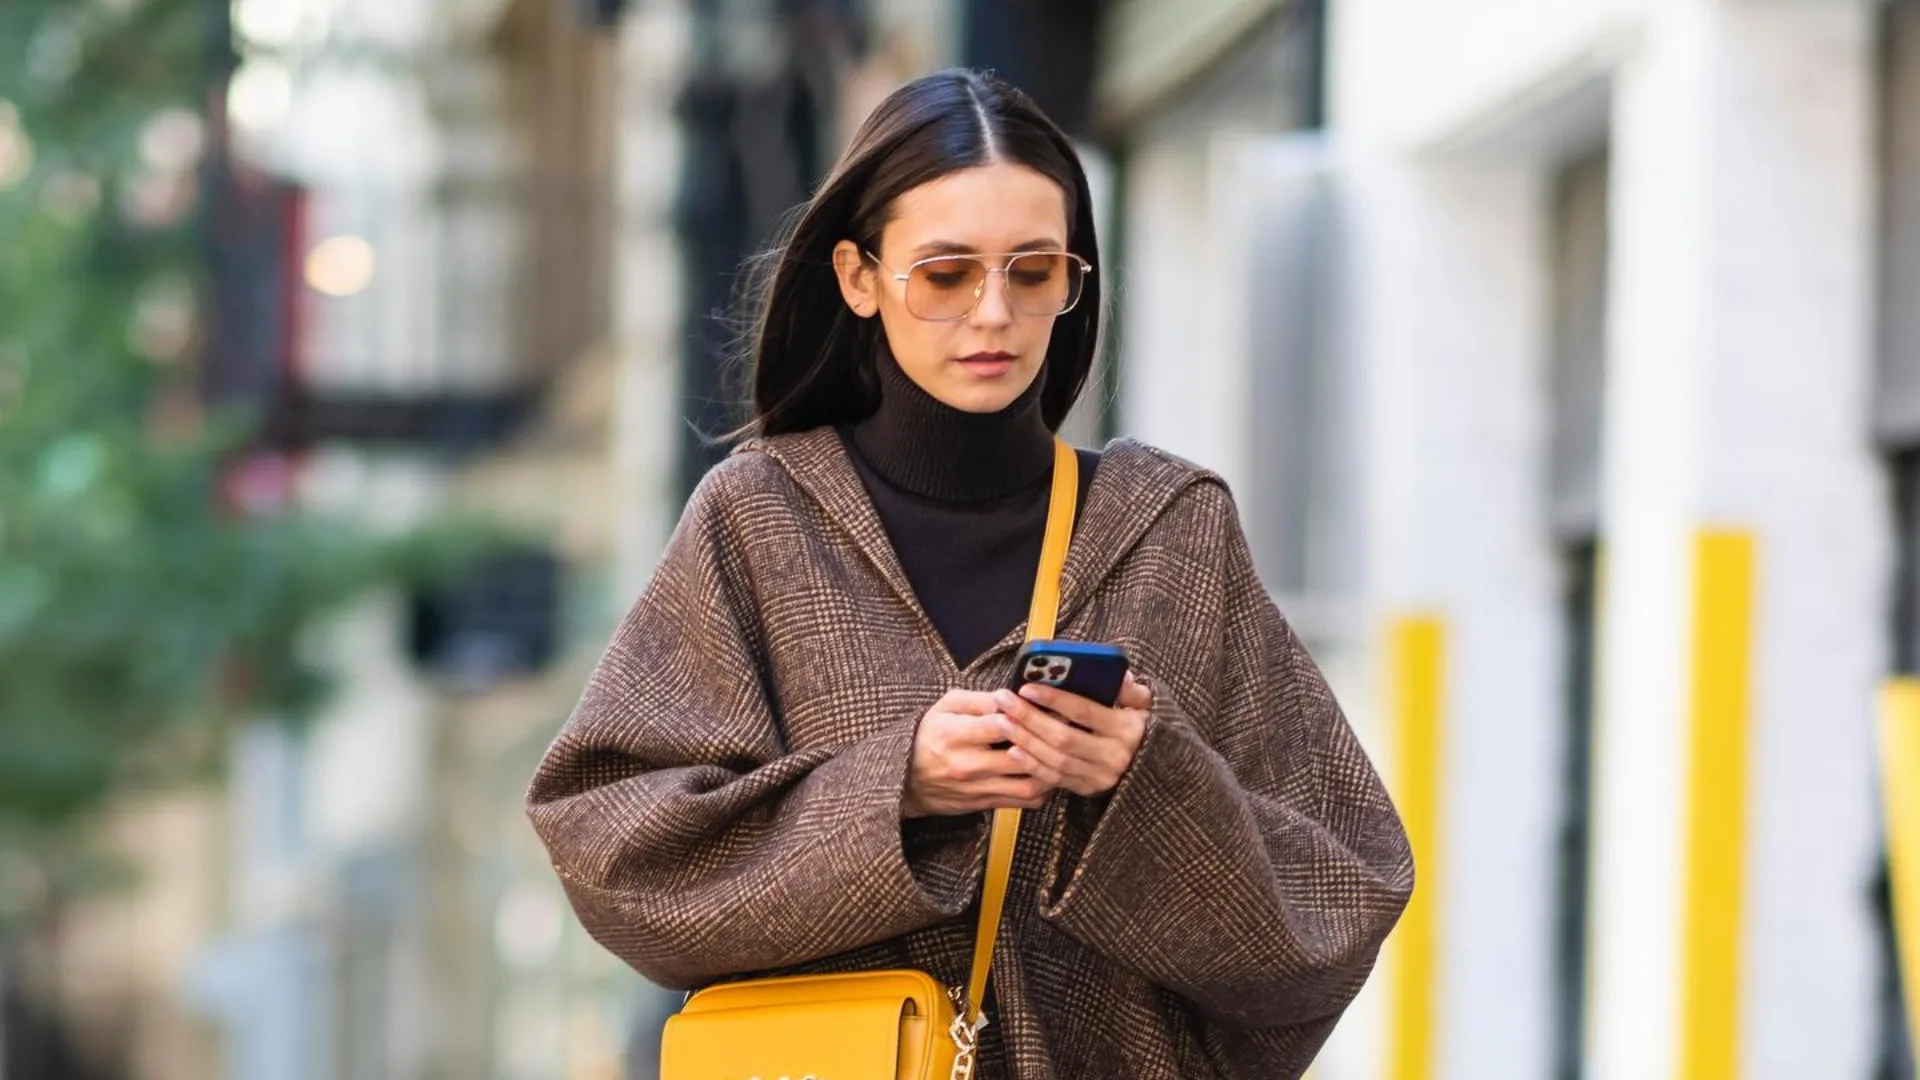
1410 72
1738 397
1451 272
1743 364
1180 382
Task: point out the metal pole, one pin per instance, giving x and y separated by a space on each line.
216 176
6 1005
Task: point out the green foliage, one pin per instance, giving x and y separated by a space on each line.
139 618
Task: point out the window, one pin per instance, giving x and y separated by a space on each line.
1295 430
1579 269
1574 844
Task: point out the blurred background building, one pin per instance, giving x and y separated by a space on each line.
1564 360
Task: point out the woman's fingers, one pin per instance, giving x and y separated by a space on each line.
1052 731
1111 723
962 761
1025 792
953 733
1089 761
978 765
980 762
1071 707
967 703
1031 750
1025 765
979 751
1086 764
1124 726
1031 765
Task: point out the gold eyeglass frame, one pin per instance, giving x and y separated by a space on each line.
980 292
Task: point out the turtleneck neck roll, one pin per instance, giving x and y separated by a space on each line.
931 449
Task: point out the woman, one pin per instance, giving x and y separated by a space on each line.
783 762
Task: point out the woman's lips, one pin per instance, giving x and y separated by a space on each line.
988 365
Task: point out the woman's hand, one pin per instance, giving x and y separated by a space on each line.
1087 759
956 767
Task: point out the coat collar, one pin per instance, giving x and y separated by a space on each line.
1133 486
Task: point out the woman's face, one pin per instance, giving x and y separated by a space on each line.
982 361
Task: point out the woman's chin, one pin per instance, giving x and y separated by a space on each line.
982 399
978 395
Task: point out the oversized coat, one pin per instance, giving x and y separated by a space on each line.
725 801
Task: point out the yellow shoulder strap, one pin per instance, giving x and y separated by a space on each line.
1040 620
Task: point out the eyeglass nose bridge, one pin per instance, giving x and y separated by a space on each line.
980 290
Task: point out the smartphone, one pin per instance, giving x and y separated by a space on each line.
1089 669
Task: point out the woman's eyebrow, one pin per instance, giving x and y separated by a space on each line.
945 247
950 247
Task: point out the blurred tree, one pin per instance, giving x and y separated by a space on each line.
142 612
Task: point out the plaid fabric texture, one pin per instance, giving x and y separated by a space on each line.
725 800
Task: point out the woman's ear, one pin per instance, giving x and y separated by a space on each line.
859 285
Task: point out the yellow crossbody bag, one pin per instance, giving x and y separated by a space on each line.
872 1025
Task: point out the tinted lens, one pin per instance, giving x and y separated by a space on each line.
1046 284
945 288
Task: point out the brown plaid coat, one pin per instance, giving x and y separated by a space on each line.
725 801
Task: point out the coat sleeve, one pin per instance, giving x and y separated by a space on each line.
1249 859
690 841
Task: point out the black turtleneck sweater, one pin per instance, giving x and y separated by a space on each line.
964 498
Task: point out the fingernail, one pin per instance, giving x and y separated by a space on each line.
1033 692
1005 697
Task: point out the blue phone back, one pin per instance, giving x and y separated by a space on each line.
1090 669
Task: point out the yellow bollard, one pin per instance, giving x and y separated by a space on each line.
1721 709
1417 668
1900 794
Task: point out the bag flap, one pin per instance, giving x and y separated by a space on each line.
857 1039
928 996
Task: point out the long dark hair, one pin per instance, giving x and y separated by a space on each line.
810 360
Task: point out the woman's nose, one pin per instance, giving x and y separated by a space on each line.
992 307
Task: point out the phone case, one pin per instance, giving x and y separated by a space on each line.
1091 670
